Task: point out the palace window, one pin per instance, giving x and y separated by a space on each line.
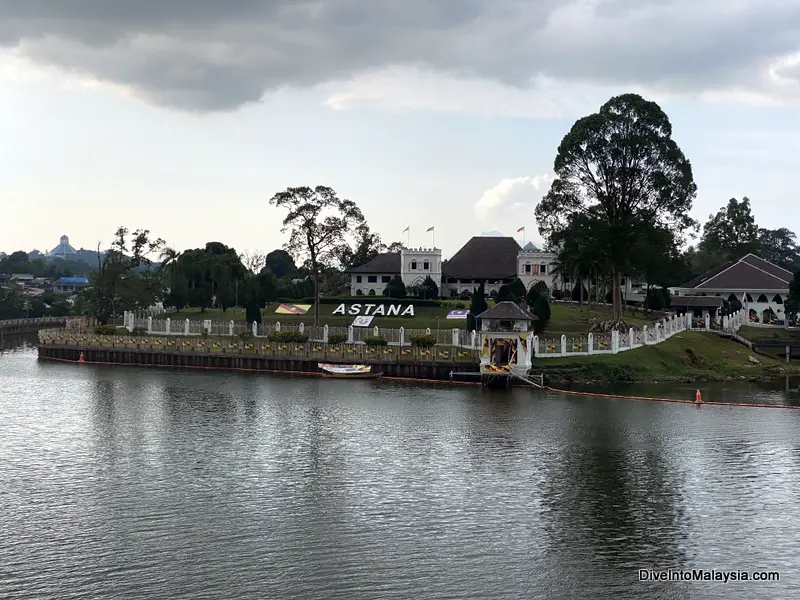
359 293
426 265
385 278
413 265
372 279
527 268
372 292
763 298
358 278
543 269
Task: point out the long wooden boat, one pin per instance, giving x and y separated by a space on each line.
336 371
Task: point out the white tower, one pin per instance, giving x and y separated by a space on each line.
418 263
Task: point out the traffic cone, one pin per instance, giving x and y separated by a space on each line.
81 359
698 398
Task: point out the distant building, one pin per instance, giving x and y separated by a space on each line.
760 286
63 250
22 277
70 285
413 265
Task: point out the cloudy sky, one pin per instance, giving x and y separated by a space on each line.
186 116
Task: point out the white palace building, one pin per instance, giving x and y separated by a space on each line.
491 260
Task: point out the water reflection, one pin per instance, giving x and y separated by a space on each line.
143 483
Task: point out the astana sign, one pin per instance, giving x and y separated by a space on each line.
386 310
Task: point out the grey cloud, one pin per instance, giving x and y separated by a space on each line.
210 55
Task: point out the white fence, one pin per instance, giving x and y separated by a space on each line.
614 342
350 334
544 347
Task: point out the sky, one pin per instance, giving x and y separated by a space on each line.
186 116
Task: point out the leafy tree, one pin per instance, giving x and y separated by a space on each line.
621 165
321 224
506 294
123 280
656 258
537 289
396 288
518 289
252 300
779 246
280 263
428 288
477 306
731 233
541 309
792 306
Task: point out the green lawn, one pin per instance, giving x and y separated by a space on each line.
770 335
572 318
687 355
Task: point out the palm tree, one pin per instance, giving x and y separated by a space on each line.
169 261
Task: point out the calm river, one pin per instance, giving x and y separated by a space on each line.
128 483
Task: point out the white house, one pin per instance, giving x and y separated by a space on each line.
412 264
760 286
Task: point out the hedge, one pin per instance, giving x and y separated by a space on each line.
419 302
374 341
288 336
337 338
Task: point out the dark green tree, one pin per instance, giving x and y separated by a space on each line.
428 288
656 258
779 246
320 225
123 280
621 165
281 264
477 306
541 309
396 288
518 289
731 233
537 289
792 306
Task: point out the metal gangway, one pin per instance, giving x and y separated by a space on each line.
530 379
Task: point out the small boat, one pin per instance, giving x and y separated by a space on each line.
348 371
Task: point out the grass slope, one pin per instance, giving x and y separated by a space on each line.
688 356
770 335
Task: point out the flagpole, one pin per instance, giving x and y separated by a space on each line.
408 231
433 238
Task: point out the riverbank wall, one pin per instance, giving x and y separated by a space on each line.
20 326
225 353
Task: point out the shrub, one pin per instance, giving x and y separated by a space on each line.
375 341
459 305
337 338
541 308
396 288
288 336
422 340
105 330
245 335
139 331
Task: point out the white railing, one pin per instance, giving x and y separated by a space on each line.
34 321
394 336
578 345
616 342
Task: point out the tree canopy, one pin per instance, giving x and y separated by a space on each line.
320 226
620 165
732 232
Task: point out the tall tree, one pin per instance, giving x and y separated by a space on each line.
779 246
792 306
123 280
656 258
280 263
476 307
622 165
731 233
321 225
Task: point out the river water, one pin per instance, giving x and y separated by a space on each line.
130 483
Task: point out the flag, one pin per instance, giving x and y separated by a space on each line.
406 229
521 229
429 229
